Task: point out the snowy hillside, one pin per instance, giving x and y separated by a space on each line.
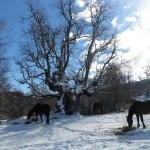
74 133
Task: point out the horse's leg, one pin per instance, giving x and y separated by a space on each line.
36 117
97 111
138 123
47 118
141 116
41 117
93 111
101 109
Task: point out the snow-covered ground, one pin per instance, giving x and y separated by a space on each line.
74 133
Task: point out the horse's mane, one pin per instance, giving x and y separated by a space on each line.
131 109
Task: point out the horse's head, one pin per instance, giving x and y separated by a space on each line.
130 121
29 115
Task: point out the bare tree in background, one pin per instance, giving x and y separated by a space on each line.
147 72
114 81
147 77
53 47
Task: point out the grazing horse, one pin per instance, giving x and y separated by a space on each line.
97 108
138 108
40 109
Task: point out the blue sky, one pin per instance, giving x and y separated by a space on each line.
131 20
134 28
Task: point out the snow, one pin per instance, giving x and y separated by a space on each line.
142 98
74 133
61 106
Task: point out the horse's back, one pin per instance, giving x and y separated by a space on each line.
97 105
142 107
37 106
46 107
41 108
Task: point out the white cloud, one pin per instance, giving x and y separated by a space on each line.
80 3
137 40
145 19
127 6
130 19
115 21
86 14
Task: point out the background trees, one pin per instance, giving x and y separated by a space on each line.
147 78
63 54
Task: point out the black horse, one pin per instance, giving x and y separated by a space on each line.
40 109
97 108
138 108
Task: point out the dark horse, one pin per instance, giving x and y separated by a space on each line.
97 108
138 108
40 109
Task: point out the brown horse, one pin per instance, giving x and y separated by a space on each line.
138 108
97 108
40 109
